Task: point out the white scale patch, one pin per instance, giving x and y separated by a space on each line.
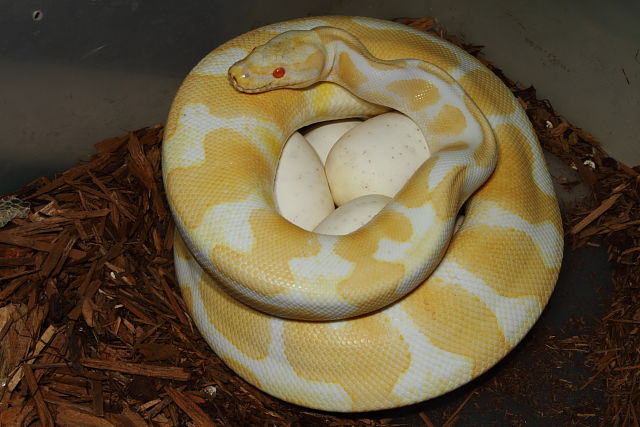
187 270
325 269
433 370
228 224
299 25
338 324
324 307
467 66
194 124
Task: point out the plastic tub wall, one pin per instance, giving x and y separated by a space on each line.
75 72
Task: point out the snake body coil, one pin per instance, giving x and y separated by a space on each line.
398 311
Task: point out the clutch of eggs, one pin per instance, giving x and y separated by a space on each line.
338 175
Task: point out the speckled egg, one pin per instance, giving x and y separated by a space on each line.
352 215
301 188
377 156
324 135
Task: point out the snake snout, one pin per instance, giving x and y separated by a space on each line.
237 76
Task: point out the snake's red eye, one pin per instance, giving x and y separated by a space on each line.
278 72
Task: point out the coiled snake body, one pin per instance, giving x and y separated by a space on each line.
398 311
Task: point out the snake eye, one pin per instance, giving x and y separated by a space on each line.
278 72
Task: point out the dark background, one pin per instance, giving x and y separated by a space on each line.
73 72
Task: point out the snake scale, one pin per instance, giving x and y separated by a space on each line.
400 310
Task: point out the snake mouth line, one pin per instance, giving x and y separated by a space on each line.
239 88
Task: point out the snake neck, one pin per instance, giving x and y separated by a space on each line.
345 57
405 85
432 98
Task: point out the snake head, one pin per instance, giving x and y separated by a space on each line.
294 59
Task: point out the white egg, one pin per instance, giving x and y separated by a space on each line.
376 157
352 215
324 135
301 188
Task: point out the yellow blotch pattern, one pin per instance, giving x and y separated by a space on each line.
491 95
313 62
449 121
359 248
418 93
251 334
187 296
515 167
416 195
485 155
322 96
513 274
329 35
444 204
206 90
457 321
233 168
276 242
222 312
223 101
456 146
348 72
180 249
355 357
416 192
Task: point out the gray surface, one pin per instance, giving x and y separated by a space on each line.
84 71
569 188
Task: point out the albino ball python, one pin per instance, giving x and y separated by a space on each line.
398 311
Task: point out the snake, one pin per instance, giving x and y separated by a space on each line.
403 309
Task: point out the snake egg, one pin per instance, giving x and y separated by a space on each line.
324 135
352 215
301 190
376 157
